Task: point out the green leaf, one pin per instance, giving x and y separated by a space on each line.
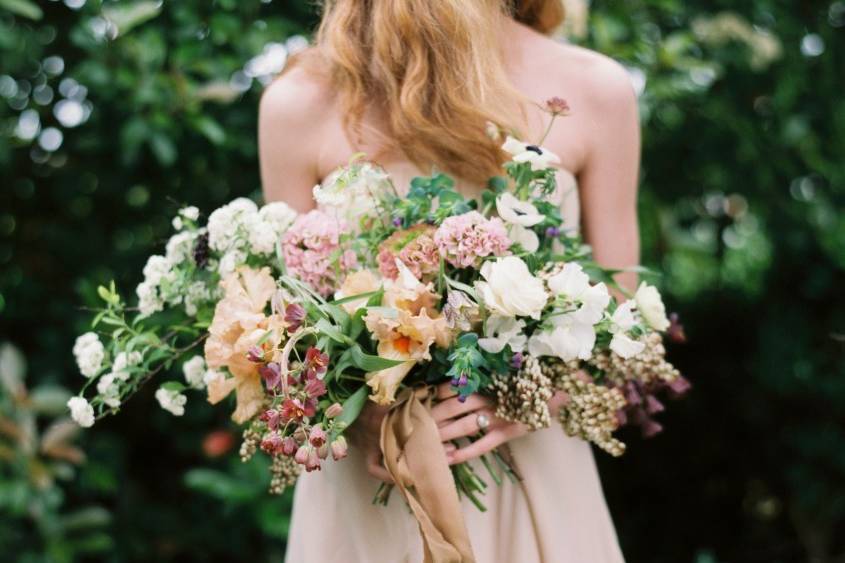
351 409
23 8
210 129
368 362
163 149
173 386
328 329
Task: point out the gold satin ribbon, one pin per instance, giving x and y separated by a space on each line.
414 457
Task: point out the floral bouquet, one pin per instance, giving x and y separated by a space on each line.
381 297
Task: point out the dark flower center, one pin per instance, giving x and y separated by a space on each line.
534 148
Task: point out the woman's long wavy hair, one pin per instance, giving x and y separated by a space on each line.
434 68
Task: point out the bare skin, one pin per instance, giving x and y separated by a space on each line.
302 140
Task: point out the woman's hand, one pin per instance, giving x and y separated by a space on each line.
365 434
460 420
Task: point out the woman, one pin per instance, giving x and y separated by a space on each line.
414 84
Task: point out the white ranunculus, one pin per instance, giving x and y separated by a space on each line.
511 210
650 306
81 411
524 237
626 346
569 339
194 371
510 290
171 401
539 157
502 331
89 353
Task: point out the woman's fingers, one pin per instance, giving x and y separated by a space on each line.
375 467
489 442
466 425
450 408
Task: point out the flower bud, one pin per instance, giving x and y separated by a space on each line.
323 451
339 448
271 443
335 410
301 456
318 436
289 446
255 354
313 461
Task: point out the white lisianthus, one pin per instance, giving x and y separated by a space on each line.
503 331
539 157
149 301
81 411
89 353
109 390
650 306
511 210
524 237
354 192
574 284
569 338
510 290
621 322
171 401
194 371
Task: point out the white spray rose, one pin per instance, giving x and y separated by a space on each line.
194 371
171 401
650 306
81 411
89 353
510 290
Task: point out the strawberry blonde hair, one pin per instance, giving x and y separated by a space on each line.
434 68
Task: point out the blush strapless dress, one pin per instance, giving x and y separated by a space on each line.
556 514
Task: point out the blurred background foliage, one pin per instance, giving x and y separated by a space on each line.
113 113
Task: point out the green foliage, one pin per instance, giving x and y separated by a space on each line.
743 190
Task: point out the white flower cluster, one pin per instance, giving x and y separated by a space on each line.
240 228
89 353
579 309
108 386
171 400
354 193
189 213
197 375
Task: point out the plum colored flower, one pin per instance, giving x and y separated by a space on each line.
318 436
295 409
271 418
463 240
271 374
271 443
313 253
315 363
315 388
294 316
289 445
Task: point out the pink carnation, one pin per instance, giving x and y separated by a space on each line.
464 239
415 248
310 248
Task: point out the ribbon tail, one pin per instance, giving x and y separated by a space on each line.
414 457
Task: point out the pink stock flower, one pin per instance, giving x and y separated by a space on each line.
463 240
415 248
312 251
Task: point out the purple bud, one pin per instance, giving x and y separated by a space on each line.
516 360
679 387
462 380
651 428
552 232
255 355
462 398
652 405
397 222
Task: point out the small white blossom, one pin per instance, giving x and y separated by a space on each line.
194 371
190 212
180 248
539 157
227 225
278 214
230 261
262 238
621 322
502 331
354 192
81 411
177 223
568 339
109 390
89 353
171 401
574 284
196 294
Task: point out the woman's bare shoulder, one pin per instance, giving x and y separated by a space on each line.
300 95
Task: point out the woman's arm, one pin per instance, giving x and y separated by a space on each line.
289 128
